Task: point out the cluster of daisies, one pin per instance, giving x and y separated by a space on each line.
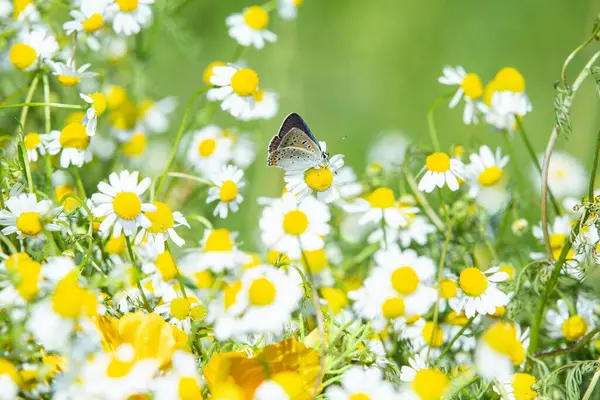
121 276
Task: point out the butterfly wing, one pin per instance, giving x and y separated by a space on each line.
292 122
291 158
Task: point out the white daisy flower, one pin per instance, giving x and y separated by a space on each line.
21 283
37 45
479 293
163 223
486 179
287 226
27 217
98 103
72 142
566 175
120 203
20 11
561 324
130 15
520 386
87 21
321 178
362 383
422 382
496 349
236 89
183 380
224 316
381 207
218 252
67 75
470 89
250 27
559 232
228 183
34 145
504 108
440 170
288 9
209 150
154 116
178 310
388 150
266 106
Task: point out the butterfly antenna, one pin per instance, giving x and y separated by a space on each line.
342 138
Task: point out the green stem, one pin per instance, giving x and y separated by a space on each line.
594 170
28 104
455 338
435 219
137 278
190 177
563 72
592 385
161 181
569 349
431 121
79 182
48 128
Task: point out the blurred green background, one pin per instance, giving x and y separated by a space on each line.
356 68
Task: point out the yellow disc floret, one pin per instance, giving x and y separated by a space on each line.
22 55
521 384
472 86
319 178
244 82
256 17
438 162
295 223
74 136
405 280
509 78
32 140
127 5
382 198
490 176
228 191
162 219
430 384
393 308
180 308
262 292
219 240
29 223
433 337
93 23
127 205
207 147
473 282
574 328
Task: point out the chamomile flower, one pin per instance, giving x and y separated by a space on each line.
218 252
519 387
559 232
236 89
72 142
27 217
68 75
154 116
130 15
566 175
440 170
87 21
504 108
266 106
120 203
470 89
97 101
179 311
209 150
228 183
39 45
163 223
34 145
479 293
571 327
486 178
288 226
362 383
423 382
496 349
288 9
381 205
250 27
182 382
321 179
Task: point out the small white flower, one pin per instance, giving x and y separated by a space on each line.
364 382
228 183
34 144
72 142
236 89
440 170
422 382
163 223
120 203
486 179
98 106
381 207
321 178
288 9
250 27
209 150
479 293
27 217
266 106
505 107
87 21
31 47
218 252
68 75
572 327
566 175
130 15
470 89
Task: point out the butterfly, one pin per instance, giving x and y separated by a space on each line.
295 146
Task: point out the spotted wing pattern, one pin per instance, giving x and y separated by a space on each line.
291 122
291 158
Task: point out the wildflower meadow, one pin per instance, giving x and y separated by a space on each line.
223 245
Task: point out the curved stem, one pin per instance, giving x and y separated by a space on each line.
190 177
594 170
544 200
563 72
569 349
28 104
161 181
137 279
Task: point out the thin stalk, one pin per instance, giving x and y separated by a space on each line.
161 181
455 338
28 104
594 170
48 128
435 219
190 177
137 279
79 182
592 385
563 72
575 347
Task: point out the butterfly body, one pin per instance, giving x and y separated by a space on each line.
295 146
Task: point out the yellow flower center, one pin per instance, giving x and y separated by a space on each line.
116 97
448 289
316 259
490 176
69 300
230 293
67 80
473 282
360 396
472 86
244 82
438 162
61 192
521 384
259 95
32 140
127 205
115 245
180 308
198 313
204 279
166 265
256 17
93 23
557 240
100 102
22 55
189 389
219 240
262 292
295 223
502 337
509 79
382 198
14 261
574 328
517 354
405 280
7 368
29 223
500 311
290 382
29 273
19 6
136 146
228 191
336 299
392 308
127 5
162 219
207 147
75 118
208 71
430 384
433 337
456 319
74 136
319 178
509 270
